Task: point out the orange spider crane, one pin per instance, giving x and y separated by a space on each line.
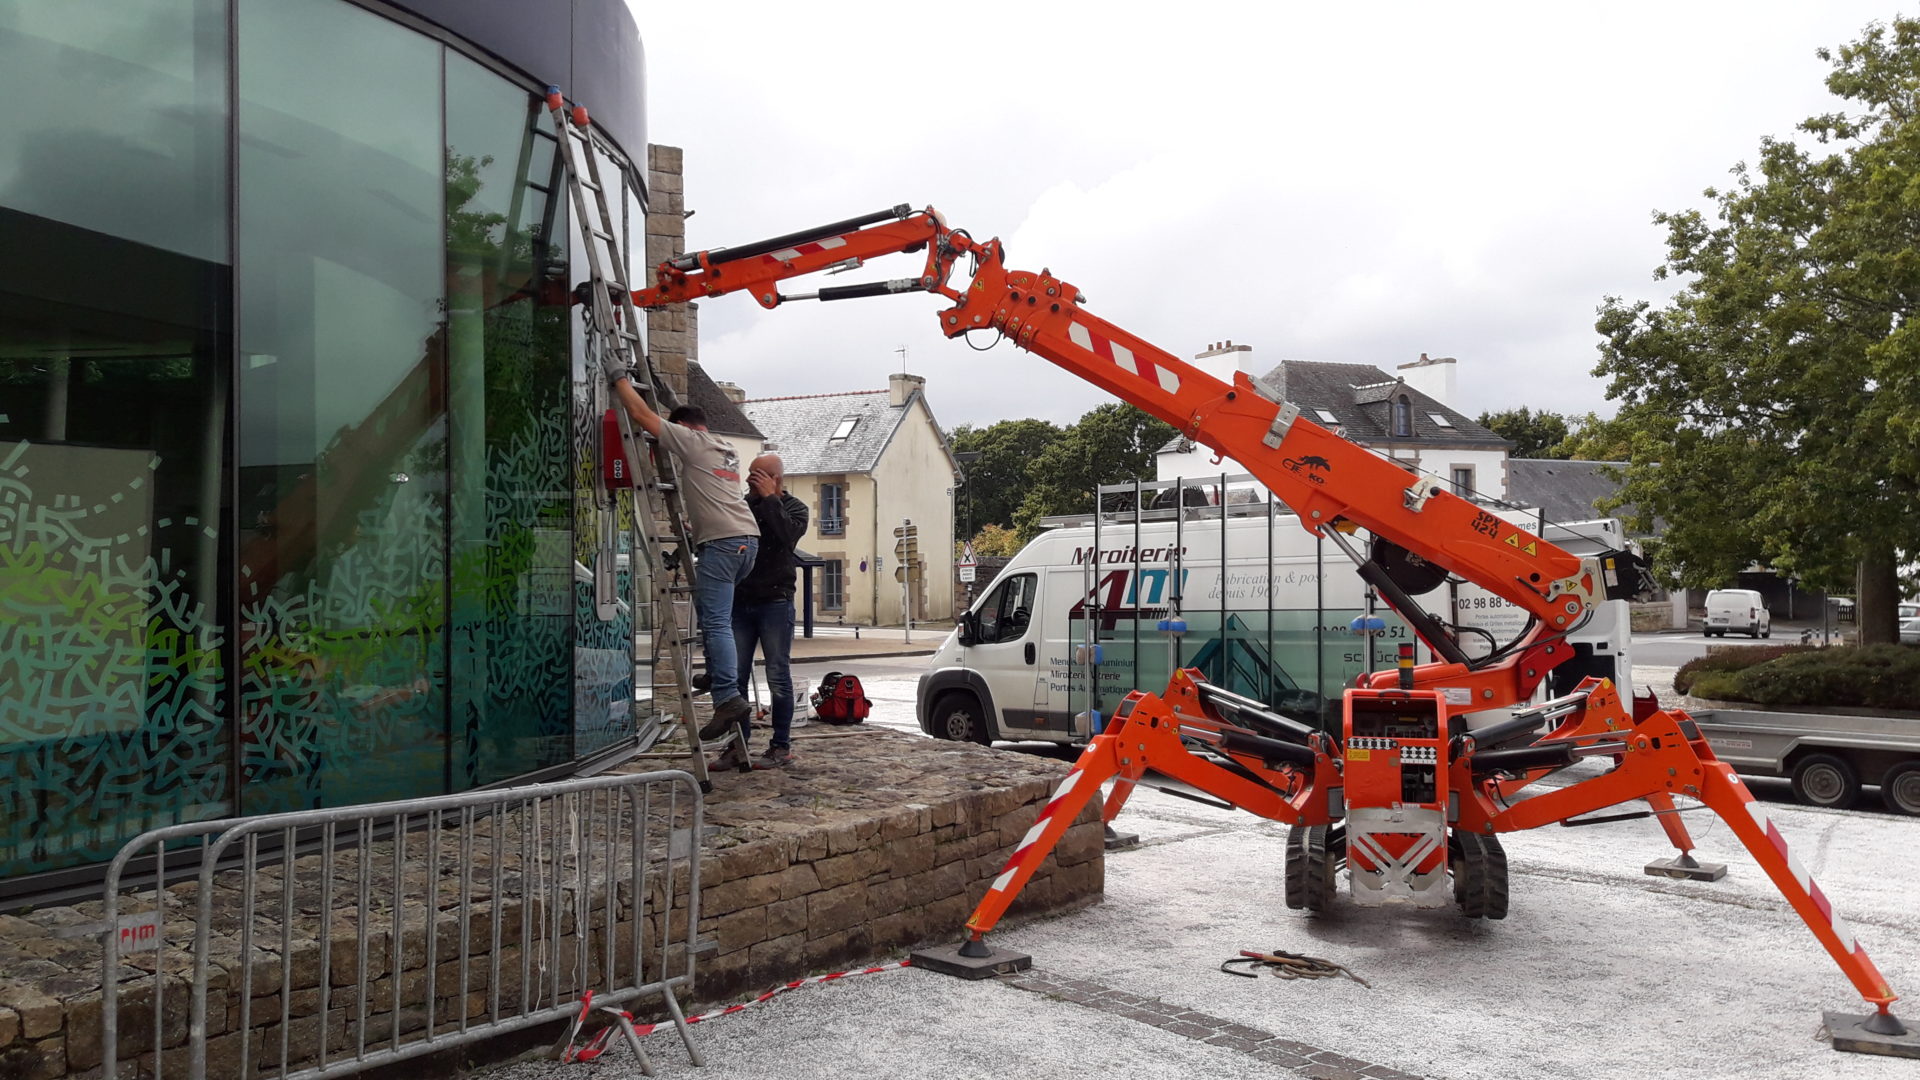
1410 794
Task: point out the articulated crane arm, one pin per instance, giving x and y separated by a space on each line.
1332 484
1236 749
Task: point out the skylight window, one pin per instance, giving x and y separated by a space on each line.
845 429
1326 416
1440 419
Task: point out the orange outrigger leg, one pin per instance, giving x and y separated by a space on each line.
1656 761
1144 734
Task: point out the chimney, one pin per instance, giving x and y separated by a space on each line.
1222 358
901 387
734 393
1432 377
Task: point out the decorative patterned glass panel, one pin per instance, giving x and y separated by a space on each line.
343 428
512 587
113 426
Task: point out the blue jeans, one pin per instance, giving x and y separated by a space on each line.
721 565
770 626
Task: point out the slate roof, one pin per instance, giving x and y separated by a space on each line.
1565 490
801 429
723 416
1360 396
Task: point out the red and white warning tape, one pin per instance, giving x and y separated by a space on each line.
598 1045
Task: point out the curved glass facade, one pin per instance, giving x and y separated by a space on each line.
297 470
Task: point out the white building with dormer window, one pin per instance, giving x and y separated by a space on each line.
1402 416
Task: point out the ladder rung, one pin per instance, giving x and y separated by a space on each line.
588 184
601 233
630 335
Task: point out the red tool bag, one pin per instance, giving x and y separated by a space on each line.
840 700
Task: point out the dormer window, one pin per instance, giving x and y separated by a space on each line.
1402 417
844 429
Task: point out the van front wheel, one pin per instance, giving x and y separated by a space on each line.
957 718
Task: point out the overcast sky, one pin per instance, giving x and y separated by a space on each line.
1335 182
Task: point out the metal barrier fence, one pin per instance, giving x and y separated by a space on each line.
366 935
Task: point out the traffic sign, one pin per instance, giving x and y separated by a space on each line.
966 573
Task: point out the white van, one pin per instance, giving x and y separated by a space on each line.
1739 610
1274 624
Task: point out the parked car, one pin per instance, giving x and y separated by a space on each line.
1910 631
1739 610
1907 609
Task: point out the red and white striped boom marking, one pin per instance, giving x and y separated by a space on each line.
1805 880
1122 357
814 247
1028 841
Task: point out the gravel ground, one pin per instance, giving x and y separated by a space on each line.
1600 970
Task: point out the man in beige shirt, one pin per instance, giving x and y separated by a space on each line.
726 540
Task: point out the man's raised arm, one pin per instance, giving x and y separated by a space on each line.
615 367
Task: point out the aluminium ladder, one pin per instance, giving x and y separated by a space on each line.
654 476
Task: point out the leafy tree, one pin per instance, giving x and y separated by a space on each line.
1540 434
1590 438
997 480
1771 408
1110 444
995 541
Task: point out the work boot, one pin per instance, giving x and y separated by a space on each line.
734 757
726 716
701 683
775 757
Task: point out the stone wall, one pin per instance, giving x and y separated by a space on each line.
673 335
871 843
861 889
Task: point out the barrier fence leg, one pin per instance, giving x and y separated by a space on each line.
680 1025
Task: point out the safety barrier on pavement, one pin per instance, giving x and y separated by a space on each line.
319 943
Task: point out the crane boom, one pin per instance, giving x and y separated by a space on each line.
1333 485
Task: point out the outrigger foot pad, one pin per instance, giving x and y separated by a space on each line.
1872 1033
1117 840
1686 868
973 959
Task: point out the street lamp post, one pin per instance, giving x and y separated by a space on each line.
964 459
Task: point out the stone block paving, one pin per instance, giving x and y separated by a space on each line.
1264 1047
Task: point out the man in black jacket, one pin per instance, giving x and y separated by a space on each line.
763 603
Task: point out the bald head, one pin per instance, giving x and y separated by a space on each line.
765 474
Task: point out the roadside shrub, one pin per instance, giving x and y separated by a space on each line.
1729 659
1715 686
1873 676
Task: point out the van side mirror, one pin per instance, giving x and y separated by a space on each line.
969 629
